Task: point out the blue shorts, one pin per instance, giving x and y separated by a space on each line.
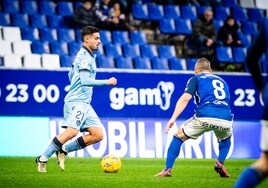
81 116
265 101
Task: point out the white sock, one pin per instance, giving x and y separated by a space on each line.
43 158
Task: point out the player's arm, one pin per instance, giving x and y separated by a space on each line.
182 102
180 106
87 81
254 53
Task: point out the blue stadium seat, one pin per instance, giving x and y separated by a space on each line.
60 48
229 3
155 11
66 60
249 28
218 24
264 65
74 47
140 11
245 39
255 14
5 19
48 34
184 26
130 50
177 64
142 63
149 50
66 35
11 7
29 7
224 54
47 7
105 36
20 20
65 8
221 13
138 37
239 54
39 47
99 51
188 12
166 51
112 50
172 11
124 62
78 35
28 33
167 26
77 5
191 63
38 20
105 62
1 61
120 37
160 63
55 21
239 13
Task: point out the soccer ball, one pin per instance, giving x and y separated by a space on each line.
110 164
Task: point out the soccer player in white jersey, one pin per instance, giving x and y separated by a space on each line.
78 113
213 113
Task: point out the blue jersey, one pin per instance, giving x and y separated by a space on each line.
258 48
85 60
212 96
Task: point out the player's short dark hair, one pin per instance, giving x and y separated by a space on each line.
88 30
203 63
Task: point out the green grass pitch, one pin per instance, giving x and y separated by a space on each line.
136 173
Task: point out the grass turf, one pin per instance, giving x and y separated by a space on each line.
86 172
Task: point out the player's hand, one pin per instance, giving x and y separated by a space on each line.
112 81
169 125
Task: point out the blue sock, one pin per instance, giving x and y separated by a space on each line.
173 151
54 146
75 145
250 177
224 147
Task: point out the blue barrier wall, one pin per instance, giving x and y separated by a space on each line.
137 95
134 114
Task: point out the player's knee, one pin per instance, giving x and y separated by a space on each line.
69 133
97 136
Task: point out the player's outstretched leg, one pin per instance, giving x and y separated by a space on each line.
41 165
61 155
164 173
173 153
220 169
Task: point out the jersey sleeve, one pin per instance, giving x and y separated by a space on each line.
84 64
191 86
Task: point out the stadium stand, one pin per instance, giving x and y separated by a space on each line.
29 7
12 61
124 62
32 61
105 62
50 61
46 27
21 47
177 64
5 47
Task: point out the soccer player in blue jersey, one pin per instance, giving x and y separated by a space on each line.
78 113
213 113
258 171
